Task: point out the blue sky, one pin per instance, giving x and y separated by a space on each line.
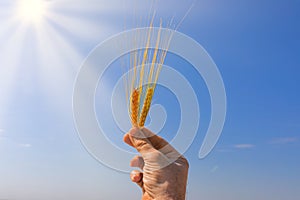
256 47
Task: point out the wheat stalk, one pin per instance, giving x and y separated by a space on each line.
142 82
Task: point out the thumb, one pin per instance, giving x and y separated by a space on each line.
140 141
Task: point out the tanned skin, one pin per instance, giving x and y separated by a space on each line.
164 171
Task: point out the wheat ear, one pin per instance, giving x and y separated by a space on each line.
146 106
135 105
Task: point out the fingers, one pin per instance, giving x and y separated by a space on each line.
149 145
162 145
156 141
139 141
139 138
127 140
137 161
137 177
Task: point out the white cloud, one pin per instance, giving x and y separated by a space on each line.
26 145
12 141
214 169
1 134
244 146
284 140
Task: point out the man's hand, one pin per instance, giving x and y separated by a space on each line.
164 170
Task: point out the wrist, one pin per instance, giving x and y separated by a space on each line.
171 197
165 197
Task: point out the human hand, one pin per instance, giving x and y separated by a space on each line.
164 170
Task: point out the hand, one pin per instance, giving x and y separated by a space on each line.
164 170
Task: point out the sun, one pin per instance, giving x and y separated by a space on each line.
31 11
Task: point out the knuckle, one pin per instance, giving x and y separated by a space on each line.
141 145
184 161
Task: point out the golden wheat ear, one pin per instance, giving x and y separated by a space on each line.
135 106
146 106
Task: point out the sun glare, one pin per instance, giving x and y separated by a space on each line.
31 11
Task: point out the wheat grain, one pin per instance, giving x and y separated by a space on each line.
135 105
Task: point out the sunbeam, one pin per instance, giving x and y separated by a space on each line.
44 41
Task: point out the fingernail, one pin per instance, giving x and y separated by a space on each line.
135 176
